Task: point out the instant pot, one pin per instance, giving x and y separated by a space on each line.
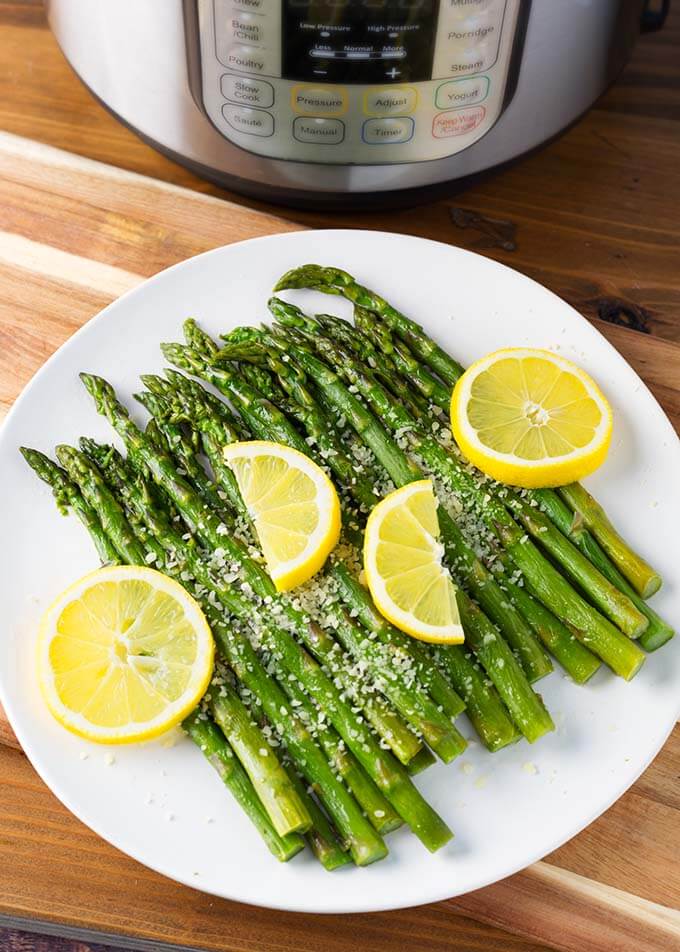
347 103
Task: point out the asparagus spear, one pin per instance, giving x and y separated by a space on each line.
386 772
644 579
334 281
162 537
170 437
68 496
658 632
322 837
202 731
215 748
278 795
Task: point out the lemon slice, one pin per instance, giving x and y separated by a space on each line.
403 565
293 505
123 655
530 418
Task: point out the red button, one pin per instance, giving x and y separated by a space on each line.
457 123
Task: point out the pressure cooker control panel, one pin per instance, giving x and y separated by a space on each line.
355 81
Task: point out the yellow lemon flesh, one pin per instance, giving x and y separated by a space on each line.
293 505
124 654
403 565
530 418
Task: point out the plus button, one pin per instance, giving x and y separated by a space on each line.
393 73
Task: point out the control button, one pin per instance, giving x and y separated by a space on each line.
247 59
469 60
319 100
246 28
384 131
253 122
457 123
257 6
461 9
391 101
327 131
250 92
461 92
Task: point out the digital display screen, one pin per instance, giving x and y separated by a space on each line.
359 41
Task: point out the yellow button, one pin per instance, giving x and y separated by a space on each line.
319 100
390 101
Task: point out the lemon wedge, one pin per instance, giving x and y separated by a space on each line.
124 654
403 565
293 505
530 418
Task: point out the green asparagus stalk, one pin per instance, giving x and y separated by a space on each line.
68 496
321 837
385 770
285 808
658 631
216 750
335 281
172 439
644 579
577 660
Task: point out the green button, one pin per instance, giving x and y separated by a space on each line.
457 93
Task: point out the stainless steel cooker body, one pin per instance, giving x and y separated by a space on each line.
345 102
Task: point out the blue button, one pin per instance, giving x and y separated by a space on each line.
386 131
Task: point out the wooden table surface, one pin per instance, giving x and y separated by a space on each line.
595 217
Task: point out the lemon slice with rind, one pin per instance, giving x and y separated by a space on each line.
530 418
124 654
293 505
403 565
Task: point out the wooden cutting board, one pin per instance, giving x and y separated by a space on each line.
74 234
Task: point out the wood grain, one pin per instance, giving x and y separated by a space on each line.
594 217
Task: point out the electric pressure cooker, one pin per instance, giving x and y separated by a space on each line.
339 103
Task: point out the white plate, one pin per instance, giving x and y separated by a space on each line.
163 804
